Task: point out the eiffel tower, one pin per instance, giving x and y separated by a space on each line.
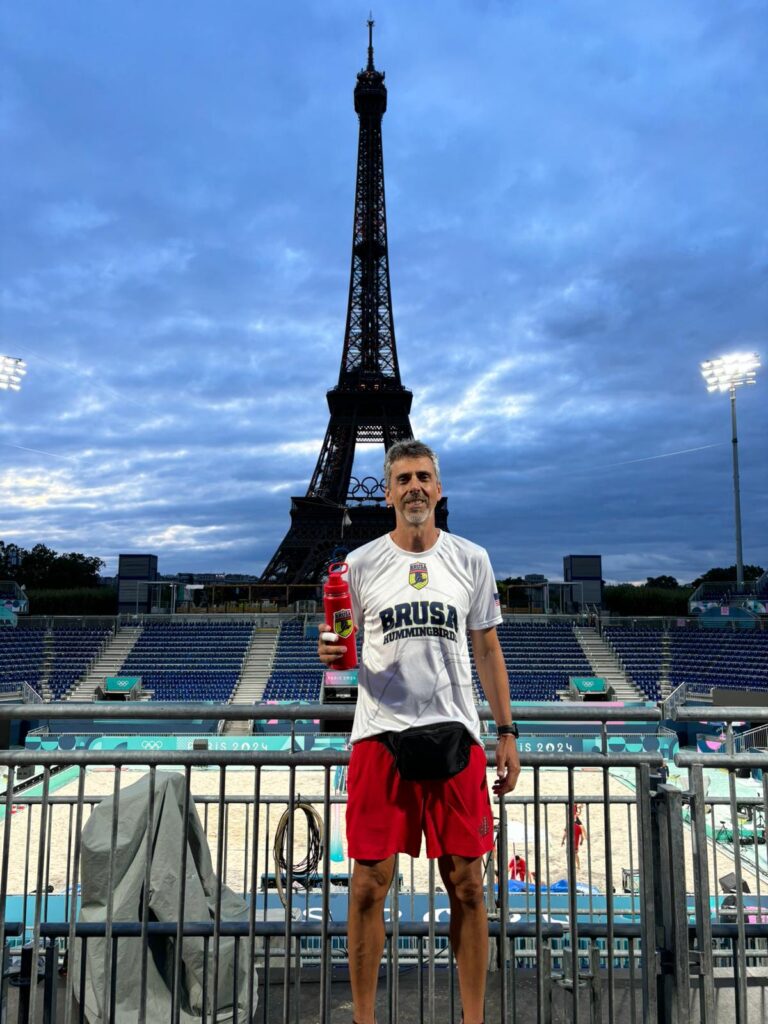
369 405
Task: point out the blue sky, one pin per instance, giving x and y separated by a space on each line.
576 200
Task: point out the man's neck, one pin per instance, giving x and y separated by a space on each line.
415 538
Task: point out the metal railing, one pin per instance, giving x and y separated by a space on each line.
633 932
757 737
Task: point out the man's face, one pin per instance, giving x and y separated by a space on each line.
413 490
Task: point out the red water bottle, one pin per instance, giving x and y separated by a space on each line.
338 614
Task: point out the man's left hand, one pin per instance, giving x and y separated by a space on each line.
507 765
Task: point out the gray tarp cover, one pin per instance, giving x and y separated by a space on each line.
127 891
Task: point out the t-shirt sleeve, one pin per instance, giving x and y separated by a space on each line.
486 606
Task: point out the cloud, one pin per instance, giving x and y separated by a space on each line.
576 219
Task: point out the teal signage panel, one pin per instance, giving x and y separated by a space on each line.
589 684
122 684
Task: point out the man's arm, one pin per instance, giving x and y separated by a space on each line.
492 670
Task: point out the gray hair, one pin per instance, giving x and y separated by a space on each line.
409 450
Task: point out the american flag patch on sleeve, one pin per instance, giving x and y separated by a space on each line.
497 600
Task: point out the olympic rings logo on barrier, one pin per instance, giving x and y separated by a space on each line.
151 744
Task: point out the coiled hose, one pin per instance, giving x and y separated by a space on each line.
308 866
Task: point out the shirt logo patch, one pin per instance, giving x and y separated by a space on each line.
418 576
484 827
342 623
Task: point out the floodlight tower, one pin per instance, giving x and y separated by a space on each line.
11 372
726 374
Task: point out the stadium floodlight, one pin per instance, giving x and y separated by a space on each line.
726 374
729 372
11 372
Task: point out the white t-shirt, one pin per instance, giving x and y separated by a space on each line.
416 608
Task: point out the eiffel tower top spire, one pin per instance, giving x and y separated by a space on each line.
371 23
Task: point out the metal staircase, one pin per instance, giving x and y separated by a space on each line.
255 672
108 663
605 664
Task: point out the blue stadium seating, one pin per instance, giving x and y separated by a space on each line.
190 660
74 649
539 659
640 654
704 658
296 672
21 656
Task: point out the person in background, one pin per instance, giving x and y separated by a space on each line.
579 833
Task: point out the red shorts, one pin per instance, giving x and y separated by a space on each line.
387 814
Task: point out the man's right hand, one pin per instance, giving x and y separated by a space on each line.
328 651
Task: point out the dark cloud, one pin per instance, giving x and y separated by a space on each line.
576 207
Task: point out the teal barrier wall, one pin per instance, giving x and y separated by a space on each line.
546 744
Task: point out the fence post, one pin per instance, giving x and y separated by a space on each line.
647 834
674 982
702 897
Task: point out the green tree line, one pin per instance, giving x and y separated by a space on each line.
42 568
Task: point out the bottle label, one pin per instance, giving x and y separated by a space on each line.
342 623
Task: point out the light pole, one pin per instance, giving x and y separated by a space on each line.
11 372
726 374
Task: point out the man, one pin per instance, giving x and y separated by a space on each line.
418 591
579 834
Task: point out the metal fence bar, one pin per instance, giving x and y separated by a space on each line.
75 883
609 901
503 904
38 893
325 948
178 944
740 961
572 904
220 873
148 845
251 994
562 711
701 895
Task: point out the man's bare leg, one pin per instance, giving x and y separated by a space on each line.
469 930
370 881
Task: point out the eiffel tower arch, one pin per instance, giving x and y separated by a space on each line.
369 404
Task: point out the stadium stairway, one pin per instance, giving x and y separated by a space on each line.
666 663
605 664
48 658
255 673
107 664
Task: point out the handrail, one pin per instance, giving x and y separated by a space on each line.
675 700
30 695
562 711
744 739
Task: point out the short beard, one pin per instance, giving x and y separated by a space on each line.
417 518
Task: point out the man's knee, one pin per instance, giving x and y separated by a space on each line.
464 881
370 883
469 892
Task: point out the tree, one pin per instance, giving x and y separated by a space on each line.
42 568
626 599
728 575
664 582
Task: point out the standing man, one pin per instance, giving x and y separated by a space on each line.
579 833
418 762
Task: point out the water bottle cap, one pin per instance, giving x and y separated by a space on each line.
336 581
